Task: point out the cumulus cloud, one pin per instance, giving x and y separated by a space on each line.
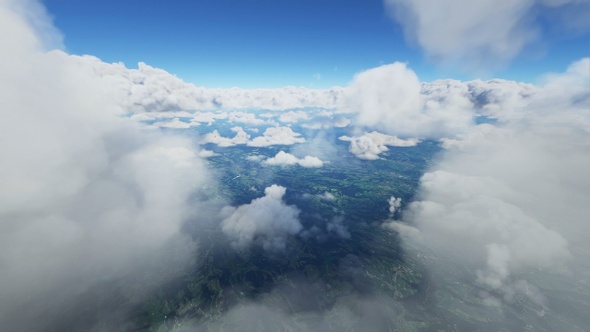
479 34
328 196
266 221
341 122
293 116
214 137
206 117
207 153
277 136
391 98
87 196
497 98
394 205
271 136
149 89
327 122
370 145
508 199
286 159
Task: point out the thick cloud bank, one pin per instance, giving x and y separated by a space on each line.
155 90
266 221
512 198
87 197
391 98
480 34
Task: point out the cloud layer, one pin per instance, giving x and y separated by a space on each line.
149 89
507 199
87 196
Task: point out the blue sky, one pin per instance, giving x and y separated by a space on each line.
269 43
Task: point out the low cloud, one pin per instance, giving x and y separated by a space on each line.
89 198
266 221
293 116
214 137
247 118
175 123
149 89
271 136
391 99
394 205
336 226
328 196
207 153
370 145
286 159
507 199
327 122
277 136
207 117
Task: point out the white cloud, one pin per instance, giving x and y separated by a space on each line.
266 221
282 159
286 159
394 205
87 196
207 154
370 145
293 116
277 136
207 117
271 136
512 198
478 34
333 122
255 158
247 118
325 196
175 123
214 137
390 98
341 122
309 161
328 196
497 97
149 89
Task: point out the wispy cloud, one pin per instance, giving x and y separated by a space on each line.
481 35
88 197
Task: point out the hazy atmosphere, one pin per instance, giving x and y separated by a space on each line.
258 165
